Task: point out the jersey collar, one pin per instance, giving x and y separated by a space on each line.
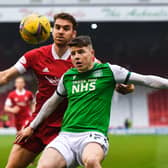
22 92
65 56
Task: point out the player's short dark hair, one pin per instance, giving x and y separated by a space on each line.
66 16
80 41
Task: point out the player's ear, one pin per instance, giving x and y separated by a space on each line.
93 52
74 34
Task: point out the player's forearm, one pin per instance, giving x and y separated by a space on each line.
7 75
49 106
149 80
9 109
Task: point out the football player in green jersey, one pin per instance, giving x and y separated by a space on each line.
89 88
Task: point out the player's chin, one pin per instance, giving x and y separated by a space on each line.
81 68
60 42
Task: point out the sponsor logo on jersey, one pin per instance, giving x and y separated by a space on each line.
21 104
45 69
83 85
52 80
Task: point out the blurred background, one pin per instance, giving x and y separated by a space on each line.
130 33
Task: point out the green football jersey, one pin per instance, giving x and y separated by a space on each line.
89 99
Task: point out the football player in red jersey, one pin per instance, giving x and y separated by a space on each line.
20 103
48 63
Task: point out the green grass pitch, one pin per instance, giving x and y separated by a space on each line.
126 151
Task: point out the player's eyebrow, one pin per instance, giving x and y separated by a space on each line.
67 25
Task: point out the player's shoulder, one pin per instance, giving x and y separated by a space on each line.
12 93
71 71
101 65
115 67
29 92
45 48
39 50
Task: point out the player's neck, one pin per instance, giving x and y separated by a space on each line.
60 50
20 89
90 66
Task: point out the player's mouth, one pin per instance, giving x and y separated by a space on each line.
78 64
60 38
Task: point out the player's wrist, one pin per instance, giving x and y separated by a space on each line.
32 127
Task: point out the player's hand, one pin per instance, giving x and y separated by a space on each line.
125 89
24 134
15 109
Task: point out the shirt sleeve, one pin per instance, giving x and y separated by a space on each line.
20 65
121 75
61 91
149 80
27 61
8 102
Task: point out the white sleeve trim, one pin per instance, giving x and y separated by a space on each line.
8 102
120 73
149 80
60 88
19 66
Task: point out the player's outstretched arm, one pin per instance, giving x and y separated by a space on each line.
7 75
149 80
122 75
13 110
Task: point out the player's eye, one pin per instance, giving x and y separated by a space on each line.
57 27
81 51
72 53
66 28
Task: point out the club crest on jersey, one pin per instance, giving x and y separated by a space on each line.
74 77
83 85
97 73
26 98
16 99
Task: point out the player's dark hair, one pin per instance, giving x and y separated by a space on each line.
80 41
66 16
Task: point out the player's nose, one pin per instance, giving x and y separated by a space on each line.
61 30
77 56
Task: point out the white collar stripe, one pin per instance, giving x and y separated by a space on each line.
65 56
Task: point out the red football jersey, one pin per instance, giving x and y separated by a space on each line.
48 68
23 100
